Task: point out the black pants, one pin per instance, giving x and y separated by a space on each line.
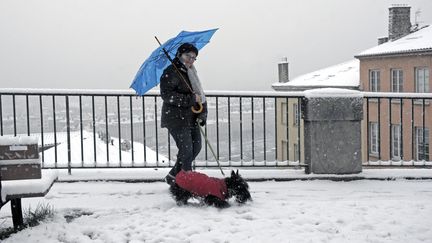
188 141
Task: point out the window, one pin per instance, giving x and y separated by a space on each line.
422 143
396 142
373 136
284 150
296 152
284 113
422 80
296 114
374 80
396 80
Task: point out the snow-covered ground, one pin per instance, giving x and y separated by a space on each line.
294 211
90 146
101 148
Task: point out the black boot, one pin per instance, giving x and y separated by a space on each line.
170 178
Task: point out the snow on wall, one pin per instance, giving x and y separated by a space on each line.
332 92
19 140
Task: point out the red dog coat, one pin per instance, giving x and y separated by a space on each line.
201 185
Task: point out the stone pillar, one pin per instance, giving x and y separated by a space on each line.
332 131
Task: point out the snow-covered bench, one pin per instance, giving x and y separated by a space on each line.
20 173
14 190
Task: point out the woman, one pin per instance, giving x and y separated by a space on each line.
180 94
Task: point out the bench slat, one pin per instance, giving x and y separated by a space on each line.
28 188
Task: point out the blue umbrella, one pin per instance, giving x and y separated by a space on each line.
148 75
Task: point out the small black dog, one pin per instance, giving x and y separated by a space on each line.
214 191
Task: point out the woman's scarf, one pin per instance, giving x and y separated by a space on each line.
196 83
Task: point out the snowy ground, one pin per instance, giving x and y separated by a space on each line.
294 211
90 147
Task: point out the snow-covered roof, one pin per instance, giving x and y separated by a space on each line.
343 75
419 41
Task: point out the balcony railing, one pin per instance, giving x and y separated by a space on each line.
117 129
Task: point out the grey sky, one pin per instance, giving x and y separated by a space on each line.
102 43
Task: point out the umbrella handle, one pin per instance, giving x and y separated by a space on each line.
200 109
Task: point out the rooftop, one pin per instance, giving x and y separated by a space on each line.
343 75
419 41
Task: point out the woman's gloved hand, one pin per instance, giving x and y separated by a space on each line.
201 120
202 117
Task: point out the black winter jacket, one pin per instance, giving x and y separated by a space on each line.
178 99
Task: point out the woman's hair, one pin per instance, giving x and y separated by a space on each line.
185 48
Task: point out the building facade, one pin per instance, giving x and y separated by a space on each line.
398 130
392 129
290 142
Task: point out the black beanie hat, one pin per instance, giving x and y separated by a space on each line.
186 47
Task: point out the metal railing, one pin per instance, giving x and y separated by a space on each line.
117 129
397 129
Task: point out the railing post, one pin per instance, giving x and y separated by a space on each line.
68 136
332 131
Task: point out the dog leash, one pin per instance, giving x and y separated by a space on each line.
211 148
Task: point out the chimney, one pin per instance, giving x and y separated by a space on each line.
382 40
399 21
283 70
